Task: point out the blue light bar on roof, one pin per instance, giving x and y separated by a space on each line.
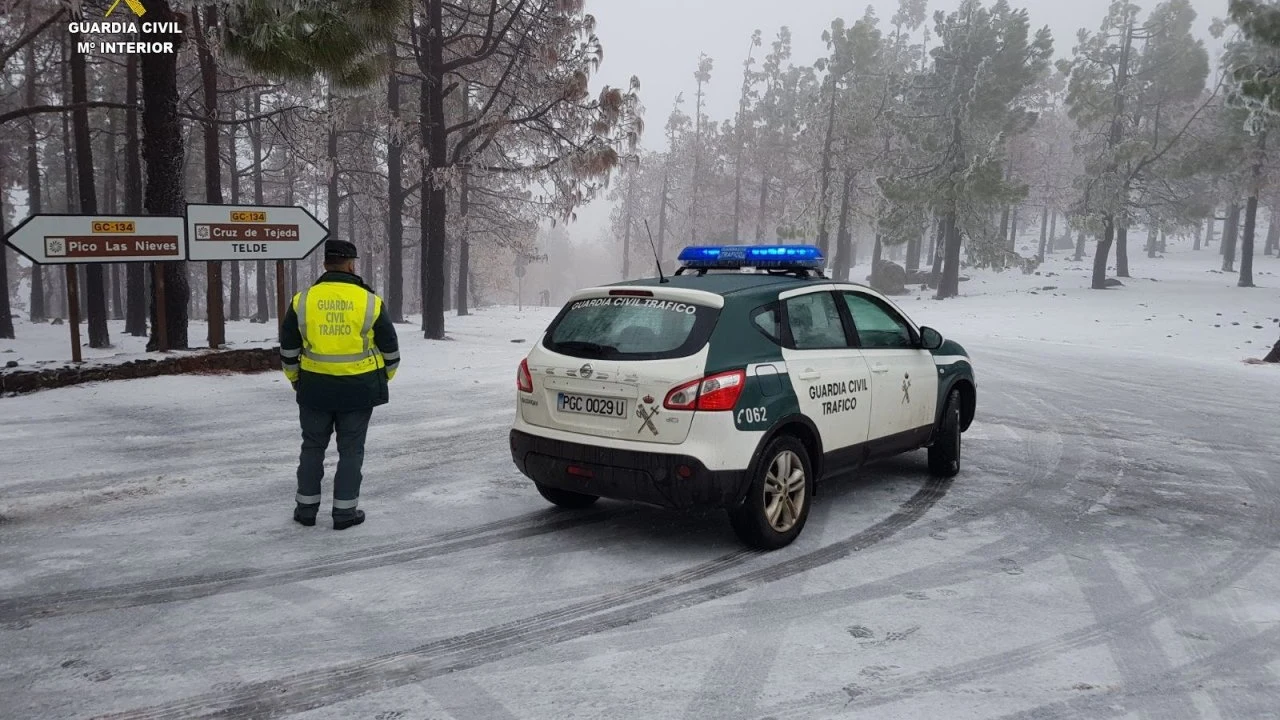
732 257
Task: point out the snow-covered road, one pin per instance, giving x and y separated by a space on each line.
1111 549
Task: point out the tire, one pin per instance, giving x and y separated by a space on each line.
566 498
765 520
944 453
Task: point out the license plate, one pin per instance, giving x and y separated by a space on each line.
590 405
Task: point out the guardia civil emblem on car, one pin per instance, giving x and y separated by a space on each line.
741 382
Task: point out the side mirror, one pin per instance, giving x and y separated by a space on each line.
930 339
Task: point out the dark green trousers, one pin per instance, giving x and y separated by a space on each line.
317 427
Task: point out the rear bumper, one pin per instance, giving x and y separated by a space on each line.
647 477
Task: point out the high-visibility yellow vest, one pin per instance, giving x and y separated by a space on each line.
336 323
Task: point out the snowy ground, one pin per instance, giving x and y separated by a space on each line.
44 345
1111 549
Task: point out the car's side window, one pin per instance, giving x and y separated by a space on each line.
768 320
814 322
878 326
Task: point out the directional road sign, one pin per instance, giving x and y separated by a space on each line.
252 232
66 239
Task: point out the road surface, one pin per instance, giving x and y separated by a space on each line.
1108 551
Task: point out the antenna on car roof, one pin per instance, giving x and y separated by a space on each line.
661 278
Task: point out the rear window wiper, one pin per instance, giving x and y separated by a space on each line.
588 347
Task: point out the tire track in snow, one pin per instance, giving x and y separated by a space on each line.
1250 551
1251 652
318 688
733 684
190 587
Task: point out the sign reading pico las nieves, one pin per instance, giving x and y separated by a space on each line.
64 239
251 232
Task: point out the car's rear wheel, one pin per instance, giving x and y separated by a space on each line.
777 503
566 498
944 453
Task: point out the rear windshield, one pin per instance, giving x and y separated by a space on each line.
630 328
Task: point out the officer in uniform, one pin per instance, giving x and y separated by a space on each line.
339 350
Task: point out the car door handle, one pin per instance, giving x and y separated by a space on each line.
879 369
809 375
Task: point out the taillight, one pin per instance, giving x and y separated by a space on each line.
714 392
524 381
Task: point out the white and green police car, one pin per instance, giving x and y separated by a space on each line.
738 383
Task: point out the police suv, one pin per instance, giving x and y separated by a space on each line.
738 383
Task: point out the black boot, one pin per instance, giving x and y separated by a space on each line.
306 514
342 522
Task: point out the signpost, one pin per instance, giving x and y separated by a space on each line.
521 267
68 240
254 232
207 233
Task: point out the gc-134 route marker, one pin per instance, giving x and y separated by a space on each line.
254 232
68 240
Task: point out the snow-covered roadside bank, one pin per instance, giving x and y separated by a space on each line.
1178 306
41 346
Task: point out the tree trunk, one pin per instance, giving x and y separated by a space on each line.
1199 235
913 253
1152 239
662 213
110 186
1251 214
434 225
395 196
212 167
233 172
1246 242
1209 223
1230 234
1103 252
843 235
163 153
1160 245
764 204
265 304
628 209
1080 247
1053 232
824 182
696 183
949 282
1044 233
36 308
464 244
117 292
1122 251
936 241
95 290
1004 229
71 197
136 315
1273 229
333 219
6 315
450 242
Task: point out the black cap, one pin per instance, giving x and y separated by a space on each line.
339 249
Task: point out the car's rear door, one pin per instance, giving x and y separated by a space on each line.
830 377
904 379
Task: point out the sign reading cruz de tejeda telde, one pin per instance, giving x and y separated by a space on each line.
63 239
251 232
